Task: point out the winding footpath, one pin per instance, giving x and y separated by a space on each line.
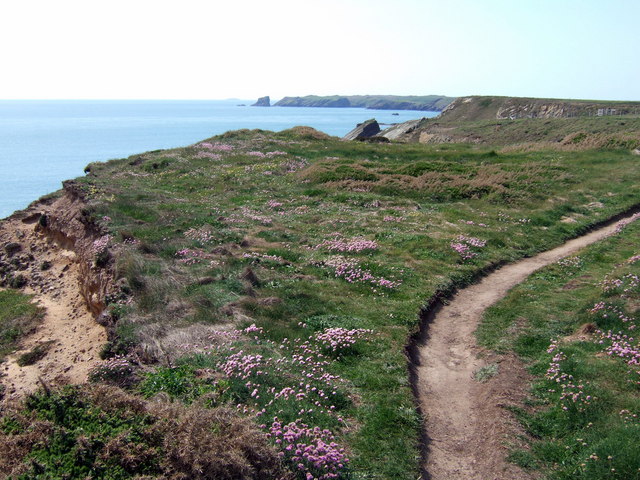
467 426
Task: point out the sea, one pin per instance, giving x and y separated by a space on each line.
43 142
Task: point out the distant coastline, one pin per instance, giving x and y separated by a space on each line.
430 103
58 138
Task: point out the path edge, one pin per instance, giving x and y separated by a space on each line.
441 297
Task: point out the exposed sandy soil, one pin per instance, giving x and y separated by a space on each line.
467 426
68 323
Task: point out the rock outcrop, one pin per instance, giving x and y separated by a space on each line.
363 130
263 102
397 131
512 108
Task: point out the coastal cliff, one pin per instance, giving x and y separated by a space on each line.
432 103
263 102
527 123
511 108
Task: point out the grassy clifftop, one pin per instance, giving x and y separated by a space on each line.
276 278
433 103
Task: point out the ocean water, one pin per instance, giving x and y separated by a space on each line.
43 142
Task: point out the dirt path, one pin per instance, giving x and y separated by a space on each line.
75 338
466 423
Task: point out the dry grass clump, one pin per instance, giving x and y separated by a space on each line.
138 437
14 447
472 182
160 341
578 141
213 444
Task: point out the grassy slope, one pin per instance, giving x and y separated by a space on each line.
538 133
593 435
17 317
182 193
240 209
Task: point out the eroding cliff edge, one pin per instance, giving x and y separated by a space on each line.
54 251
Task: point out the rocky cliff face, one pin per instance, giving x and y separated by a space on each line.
363 130
263 102
505 108
397 132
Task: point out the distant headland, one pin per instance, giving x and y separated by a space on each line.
432 103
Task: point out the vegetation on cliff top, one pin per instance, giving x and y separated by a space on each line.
432 103
574 325
280 275
532 134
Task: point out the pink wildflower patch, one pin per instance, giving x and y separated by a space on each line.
351 245
274 204
463 246
209 155
190 256
349 270
338 338
312 450
220 147
202 235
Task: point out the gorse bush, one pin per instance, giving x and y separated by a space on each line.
101 432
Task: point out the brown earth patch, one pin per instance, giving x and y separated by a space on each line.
57 263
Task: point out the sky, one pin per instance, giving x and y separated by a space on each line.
217 49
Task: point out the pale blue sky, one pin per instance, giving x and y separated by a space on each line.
245 49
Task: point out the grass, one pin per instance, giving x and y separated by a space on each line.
103 433
35 354
584 426
537 134
18 317
189 224
487 372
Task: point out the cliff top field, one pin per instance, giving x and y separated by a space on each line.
521 124
268 284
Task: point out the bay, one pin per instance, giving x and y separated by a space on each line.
43 142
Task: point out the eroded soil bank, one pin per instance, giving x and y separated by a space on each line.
467 428
52 250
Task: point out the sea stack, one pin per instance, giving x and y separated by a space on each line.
263 102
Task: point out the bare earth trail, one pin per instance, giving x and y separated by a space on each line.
466 424
68 325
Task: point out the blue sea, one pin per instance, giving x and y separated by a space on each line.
43 142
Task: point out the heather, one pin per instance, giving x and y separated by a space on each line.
575 325
279 276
